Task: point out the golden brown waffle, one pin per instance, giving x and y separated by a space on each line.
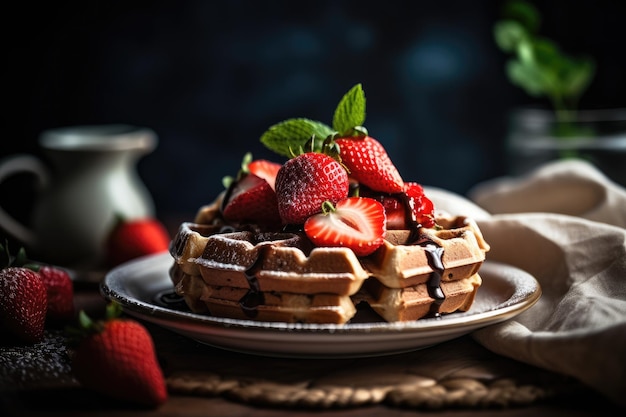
281 262
289 280
413 303
247 304
398 265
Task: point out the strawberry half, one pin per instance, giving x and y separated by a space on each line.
369 164
265 169
305 182
252 199
357 223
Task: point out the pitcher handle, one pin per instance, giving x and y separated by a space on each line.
12 165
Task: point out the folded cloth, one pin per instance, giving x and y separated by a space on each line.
564 224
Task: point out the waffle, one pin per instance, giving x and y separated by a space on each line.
276 276
416 302
247 304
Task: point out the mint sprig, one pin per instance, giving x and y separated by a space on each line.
288 137
350 112
293 136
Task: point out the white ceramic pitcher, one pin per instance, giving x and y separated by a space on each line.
88 178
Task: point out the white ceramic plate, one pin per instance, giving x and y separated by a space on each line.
144 289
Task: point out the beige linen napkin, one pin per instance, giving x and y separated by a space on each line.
565 224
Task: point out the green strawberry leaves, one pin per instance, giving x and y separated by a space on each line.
294 136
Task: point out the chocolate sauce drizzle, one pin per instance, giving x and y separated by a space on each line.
434 253
253 298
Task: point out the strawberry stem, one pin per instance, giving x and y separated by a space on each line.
327 207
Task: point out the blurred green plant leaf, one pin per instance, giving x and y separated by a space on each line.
538 65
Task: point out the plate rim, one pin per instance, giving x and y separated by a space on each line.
109 288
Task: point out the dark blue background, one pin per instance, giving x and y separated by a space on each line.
209 77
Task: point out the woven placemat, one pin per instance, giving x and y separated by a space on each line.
456 374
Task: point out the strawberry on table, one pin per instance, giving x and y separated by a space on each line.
23 298
24 304
116 358
306 181
60 292
132 238
357 223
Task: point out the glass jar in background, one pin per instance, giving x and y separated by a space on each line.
538 136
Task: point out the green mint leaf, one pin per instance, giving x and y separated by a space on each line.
288 136
350 111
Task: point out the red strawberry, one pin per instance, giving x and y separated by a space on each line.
396 205
423 208
60 291
265 169
131 239
252 200
23 303
357 223
369 164
117 359
303 183
394 211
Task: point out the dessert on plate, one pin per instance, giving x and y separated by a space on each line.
329 231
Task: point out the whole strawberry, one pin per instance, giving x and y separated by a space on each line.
116 358
130 239
306 181
60 292
23 304
369 164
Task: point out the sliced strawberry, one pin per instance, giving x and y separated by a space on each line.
305 182
252 200
357 223
265 169
396 206
369 164
423 207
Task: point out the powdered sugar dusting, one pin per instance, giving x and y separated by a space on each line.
43 364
